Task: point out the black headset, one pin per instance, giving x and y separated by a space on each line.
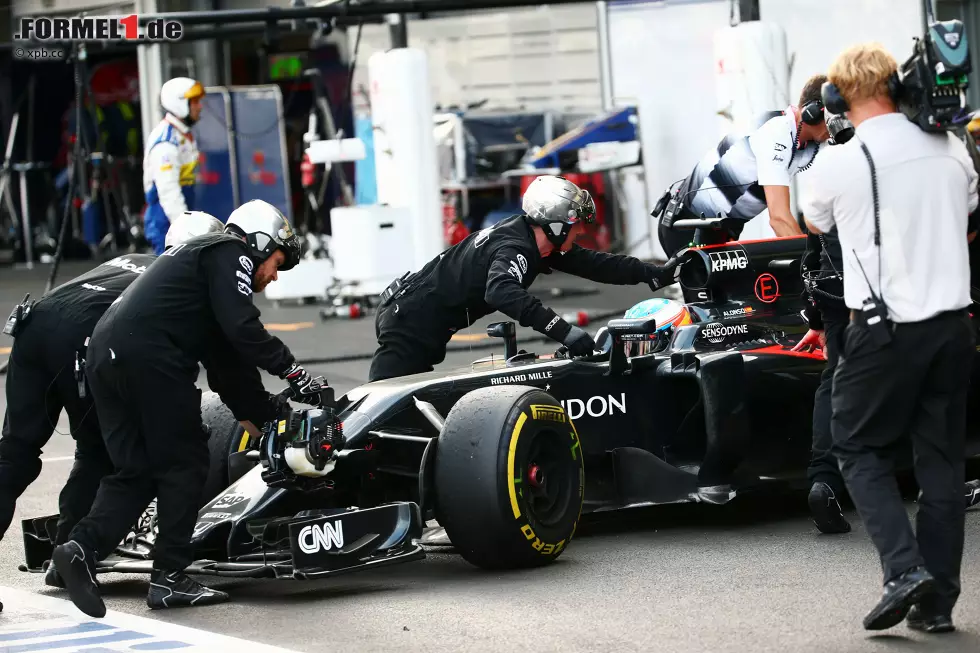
836 103
812 112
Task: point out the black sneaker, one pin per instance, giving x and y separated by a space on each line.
972 491
899 596
51 576
175 589
76 566
825 510
921 620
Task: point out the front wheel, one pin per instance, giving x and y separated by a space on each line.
509 477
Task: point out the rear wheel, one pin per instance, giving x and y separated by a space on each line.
227 437
509 477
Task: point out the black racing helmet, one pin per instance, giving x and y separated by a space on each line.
265 229
556 205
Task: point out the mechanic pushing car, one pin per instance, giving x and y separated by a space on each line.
44 377
746 174
491 270
142 367
900 198
170 159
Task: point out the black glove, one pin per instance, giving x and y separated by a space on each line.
579 342
659 277
305 388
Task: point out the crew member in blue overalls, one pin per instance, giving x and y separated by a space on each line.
170 159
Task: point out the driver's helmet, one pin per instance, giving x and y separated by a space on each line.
191 224
265 229
669 314
556 205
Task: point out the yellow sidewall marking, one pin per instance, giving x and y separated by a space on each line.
511 455
243 442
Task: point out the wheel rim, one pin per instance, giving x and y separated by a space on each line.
549 476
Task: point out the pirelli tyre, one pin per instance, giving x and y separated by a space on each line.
509 477
226 437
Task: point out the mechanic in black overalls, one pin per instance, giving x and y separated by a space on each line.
490 271
41 381
142 366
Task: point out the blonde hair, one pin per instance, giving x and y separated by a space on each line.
861 72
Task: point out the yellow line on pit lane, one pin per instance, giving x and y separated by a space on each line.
290 326
470 337
5 350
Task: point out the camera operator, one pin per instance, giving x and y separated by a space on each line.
747 174
900 198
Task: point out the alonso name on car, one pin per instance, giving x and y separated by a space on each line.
321 537
521 378
735 312
598 406
727 261
717 332
125 264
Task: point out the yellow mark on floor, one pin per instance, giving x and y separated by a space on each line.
291 326
470 337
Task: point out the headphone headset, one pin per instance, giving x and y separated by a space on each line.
836 103
812 112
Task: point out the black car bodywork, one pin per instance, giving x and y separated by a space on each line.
723 408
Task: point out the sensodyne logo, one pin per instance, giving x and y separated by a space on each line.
246 263
727 261
321 537
717 332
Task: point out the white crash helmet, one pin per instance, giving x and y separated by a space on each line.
191 224
265 229
176 94
556 205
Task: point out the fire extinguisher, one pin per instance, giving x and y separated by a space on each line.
307 172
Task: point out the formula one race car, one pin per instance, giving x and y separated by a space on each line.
508 452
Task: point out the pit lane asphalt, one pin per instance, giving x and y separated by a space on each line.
748 577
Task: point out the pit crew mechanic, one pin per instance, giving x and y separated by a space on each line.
909 348
42 379
170 159
194 304
745 174
491 270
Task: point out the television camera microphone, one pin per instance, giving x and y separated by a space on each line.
936 77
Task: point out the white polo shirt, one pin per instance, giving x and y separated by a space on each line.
927 187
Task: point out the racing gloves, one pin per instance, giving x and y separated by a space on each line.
305 388
659 277
579 342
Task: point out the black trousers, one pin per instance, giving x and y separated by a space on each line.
151 419
40 383
914 389
824 467
408 341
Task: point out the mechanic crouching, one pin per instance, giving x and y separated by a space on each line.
900 199
193 305
44 377
490 271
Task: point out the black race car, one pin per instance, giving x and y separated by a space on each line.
508 452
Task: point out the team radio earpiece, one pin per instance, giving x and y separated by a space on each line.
835 102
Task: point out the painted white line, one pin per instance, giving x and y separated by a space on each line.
57 459
34 622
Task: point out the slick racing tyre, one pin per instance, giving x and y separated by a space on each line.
509 477
227 437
